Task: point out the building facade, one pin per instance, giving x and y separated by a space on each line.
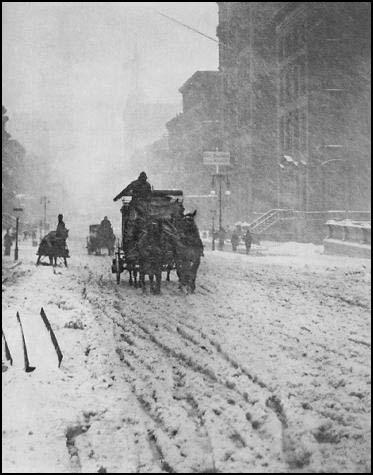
323 115
247 61
191 133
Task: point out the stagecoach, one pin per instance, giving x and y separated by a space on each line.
163 207
98 240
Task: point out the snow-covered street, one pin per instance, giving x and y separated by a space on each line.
266 368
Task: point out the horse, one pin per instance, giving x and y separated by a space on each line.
188 251
150 256
188 259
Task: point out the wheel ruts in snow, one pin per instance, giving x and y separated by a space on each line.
28 368
8 356
53 336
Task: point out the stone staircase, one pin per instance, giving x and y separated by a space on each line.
269 219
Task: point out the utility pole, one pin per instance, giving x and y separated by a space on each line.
17 230
220 177
44 200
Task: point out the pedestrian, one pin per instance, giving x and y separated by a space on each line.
248 241
235 239
221 236
34 239
8 242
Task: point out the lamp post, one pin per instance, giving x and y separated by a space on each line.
17 228
220 178
44 201
213 213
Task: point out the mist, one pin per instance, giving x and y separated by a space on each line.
68 73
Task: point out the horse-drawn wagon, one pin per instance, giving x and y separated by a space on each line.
54 247
158 237
98 239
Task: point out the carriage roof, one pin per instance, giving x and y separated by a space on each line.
163 203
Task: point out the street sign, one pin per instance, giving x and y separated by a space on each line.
216 158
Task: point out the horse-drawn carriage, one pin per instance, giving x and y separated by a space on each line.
54 247
99 239
157 237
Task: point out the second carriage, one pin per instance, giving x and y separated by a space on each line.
99 239
54 248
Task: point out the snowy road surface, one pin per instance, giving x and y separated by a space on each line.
266 368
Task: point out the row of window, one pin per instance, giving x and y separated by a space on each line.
292 41
293 82
293 132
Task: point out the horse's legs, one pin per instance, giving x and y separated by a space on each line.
142 281
169 268
130 281
65 261
135 276
51 260
158 277
151 279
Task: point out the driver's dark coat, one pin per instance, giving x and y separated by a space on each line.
137 188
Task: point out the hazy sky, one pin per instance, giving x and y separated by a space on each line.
69 65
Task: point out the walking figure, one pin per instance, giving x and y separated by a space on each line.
221 237
235 239
248 241
8 242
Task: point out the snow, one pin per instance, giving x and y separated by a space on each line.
266 368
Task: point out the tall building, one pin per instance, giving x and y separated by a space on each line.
323 116
247 61
196 130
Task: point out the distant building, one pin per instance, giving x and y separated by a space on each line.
144 122
196 130
323 113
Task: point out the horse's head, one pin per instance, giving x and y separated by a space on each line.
189 220
64 233
154 227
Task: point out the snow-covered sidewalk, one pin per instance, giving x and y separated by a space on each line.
265 368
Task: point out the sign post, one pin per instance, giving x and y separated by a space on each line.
218 159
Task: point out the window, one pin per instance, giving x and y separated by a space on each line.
303 130
302 78
288 140
296 80
282 133
296 130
